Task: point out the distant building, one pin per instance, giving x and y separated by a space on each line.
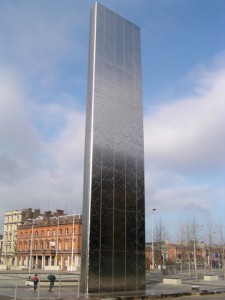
12 220
1 244
50 242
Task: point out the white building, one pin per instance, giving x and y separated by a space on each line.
12 219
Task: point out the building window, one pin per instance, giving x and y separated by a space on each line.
60 231
35 245
48 232
60 245
67 231
54 232
36 233
42 232
21 234
41 245
47 245
52 244
66 244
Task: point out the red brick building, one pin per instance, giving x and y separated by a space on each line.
175 253
51 241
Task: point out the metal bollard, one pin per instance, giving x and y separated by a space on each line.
78 290
60 280
15 296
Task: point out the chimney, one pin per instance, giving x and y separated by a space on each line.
36 213
47 215
59 212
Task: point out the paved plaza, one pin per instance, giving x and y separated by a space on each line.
13 286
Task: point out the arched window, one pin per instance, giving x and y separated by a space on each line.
41 245
21 234
36 233
52 244
48 232
35 245
67 231
60 244
42 232
47 245
66 244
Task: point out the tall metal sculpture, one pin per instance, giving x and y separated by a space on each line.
113 256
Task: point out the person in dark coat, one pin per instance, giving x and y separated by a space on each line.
35 280
52 279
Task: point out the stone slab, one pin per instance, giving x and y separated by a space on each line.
171 281
211 277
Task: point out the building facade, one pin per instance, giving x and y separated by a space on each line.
183 255
12 220
52 241
113 256
1 247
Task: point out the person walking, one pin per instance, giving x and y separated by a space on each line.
35 281
52 279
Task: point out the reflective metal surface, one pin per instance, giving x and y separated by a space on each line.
113 256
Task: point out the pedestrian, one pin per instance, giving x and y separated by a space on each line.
35 281
52 279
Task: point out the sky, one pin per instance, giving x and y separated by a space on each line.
43 83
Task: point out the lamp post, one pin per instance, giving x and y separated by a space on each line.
72 243
195 256
31 245
153 252
5 255
57 242
195 261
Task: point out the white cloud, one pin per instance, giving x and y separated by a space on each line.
189 133
184 148
41 158
18 137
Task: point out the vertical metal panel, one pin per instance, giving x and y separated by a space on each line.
114 232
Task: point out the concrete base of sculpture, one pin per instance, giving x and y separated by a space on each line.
211 277
171 281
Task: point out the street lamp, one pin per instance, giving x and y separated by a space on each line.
195 257
195 261
57 241
72 243
6 255
153 252
31 245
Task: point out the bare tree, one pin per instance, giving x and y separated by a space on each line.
221 254
161 235
210 243
189 232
